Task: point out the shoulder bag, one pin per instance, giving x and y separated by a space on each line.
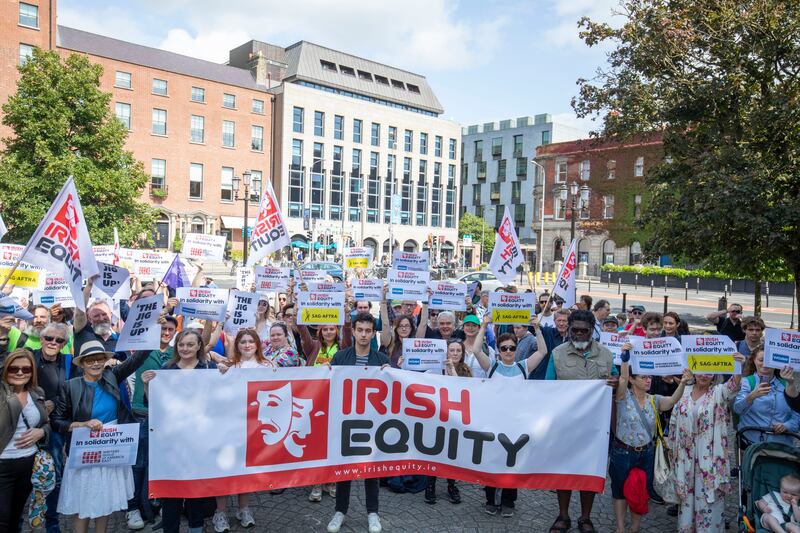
663 477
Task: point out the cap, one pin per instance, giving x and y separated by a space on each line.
637 308
613 319
472 319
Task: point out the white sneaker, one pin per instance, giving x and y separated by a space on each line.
245 517
220 522
331 488
316 494
134 519
374 523
336 523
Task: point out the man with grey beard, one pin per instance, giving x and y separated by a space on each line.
41 316
95 324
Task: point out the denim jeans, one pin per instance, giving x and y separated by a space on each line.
622 461
56 449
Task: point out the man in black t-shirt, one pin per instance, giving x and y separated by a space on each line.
730 325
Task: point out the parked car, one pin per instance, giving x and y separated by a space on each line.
489 281
333 269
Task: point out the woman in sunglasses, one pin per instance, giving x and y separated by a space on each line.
23 426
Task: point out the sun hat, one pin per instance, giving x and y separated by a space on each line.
89 349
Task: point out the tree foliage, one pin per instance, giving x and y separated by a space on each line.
721 79
470 224
63 125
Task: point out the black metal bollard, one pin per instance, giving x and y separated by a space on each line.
636 282
666 298
652 284
686 291
624 301
619 285
768 294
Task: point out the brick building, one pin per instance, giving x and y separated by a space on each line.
609 179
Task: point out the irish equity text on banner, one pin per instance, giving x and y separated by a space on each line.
447 296
424 354
511 308
408 284
203 304
369 289
710 354
312 425
111 446
320 308
657 357
614 342
781 348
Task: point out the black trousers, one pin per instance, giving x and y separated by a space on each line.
505 497
171 513
343 495
432 482
15 487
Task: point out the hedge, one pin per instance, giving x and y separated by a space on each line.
673 272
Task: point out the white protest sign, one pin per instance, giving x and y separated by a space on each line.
781 348
111 446
104 253
710 354
408 284
9 306
202 303
242 307
410 260
325 287
142 331
357 257
314 276
272 279
447 296
511 308
26 275
657 357
370 290
148 264
204 247
614 342
424 354
245 277
114 281
320 308
56 291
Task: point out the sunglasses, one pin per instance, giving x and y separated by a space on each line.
508 348
92 362
580 330
737 311
542 302
24 370
3 340
57 340
636 312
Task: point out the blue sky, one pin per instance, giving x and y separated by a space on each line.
486 60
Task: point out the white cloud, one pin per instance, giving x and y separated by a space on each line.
109 20
564 32
583 125
212 46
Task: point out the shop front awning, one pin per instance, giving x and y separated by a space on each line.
237 222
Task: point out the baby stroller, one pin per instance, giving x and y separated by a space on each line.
761 466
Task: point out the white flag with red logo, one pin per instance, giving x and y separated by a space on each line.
61 243
115 260
565 282
507 254
270 232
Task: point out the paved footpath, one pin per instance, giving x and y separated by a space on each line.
535 512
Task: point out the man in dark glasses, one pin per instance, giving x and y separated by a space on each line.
730 325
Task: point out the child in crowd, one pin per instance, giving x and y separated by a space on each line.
781 513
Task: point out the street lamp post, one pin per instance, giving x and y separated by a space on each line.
573 193
540 240
246 176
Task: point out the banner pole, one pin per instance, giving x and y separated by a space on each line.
11 273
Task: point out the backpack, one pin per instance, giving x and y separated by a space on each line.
519 365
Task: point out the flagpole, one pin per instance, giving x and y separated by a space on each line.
11 273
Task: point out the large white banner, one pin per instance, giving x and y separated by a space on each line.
408 284
61 243
507 253
270 232
781 348
657 357
204 304
204 247
141 331
565 282
248 430
710 354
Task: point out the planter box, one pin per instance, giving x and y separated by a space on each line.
740 286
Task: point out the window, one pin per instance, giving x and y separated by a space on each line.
373 188
318 182
478 150
436 206
516 192
229 100
584 204
338 127
546 137
297 120
197 130
638 167
257 138
159 122
408 144
497 147
228 133
405 193
517 145
559 206
356 187
347 70
481 170
519 215
25 53
612 169
451 151
498 217
398 84
226 184
437 146
494 191
412 88
388 190
198 225
160 87
608 206
501 169
296 180
561 171
319 123
158 173
257 107
522 166
422 194
337 185
375 135
28 15
122 80
364 75
464 172
450 204
637 206
383 80
196 181
123 112
256 181
423 143
327 65
585 168
392 137
357 127
198 95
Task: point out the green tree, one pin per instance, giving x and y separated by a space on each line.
721 80
481 232
63 125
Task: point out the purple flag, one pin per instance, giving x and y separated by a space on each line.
176 275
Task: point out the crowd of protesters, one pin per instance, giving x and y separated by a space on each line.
61 371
